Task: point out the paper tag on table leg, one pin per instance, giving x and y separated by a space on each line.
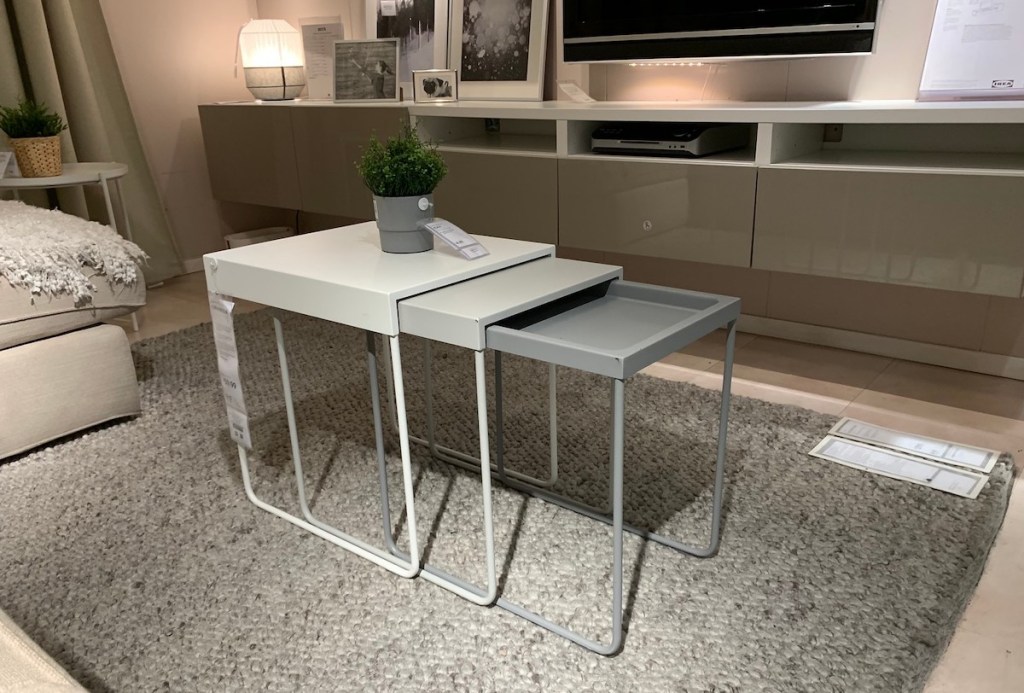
455 237
221 310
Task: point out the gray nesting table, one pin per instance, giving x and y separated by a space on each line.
519 300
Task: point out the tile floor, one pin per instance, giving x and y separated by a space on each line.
987 651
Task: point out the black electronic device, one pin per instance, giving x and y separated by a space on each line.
669 139
715 29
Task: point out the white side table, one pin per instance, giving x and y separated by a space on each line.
92 173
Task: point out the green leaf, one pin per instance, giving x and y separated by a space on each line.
403 166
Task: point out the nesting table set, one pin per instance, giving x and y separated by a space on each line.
521 300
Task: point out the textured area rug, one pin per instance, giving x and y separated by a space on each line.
132 555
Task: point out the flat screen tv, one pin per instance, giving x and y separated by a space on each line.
615 30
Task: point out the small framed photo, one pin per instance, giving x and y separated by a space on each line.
435 86
366 70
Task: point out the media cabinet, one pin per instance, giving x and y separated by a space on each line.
891 227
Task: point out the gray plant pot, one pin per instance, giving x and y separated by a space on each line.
398 220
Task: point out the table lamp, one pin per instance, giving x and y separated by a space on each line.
271 51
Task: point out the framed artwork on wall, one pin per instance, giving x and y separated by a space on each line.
421 27
435 86
498 48
366 70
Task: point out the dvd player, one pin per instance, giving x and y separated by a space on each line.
669 139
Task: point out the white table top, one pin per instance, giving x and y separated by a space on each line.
342 275
73 174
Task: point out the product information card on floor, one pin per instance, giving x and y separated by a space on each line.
939 464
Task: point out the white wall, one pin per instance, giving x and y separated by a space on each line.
174 56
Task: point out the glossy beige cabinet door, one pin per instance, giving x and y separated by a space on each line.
697 212
328 142
958 232
250 154
499 195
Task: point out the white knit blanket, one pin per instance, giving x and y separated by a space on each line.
52 253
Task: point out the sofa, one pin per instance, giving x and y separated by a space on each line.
62 367
25 667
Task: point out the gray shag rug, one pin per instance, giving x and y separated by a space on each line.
131 554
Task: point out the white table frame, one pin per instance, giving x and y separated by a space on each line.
340 275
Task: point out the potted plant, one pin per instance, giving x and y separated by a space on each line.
34 131
402 174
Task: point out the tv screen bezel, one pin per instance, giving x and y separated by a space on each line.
742 42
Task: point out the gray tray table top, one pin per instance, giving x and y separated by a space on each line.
341 274
615 330
460 314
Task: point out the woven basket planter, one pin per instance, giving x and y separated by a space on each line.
38 157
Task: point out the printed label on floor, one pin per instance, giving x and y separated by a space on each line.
967 456
896 465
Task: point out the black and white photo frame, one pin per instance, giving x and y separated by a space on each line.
421 27
498 48
366 70
435 86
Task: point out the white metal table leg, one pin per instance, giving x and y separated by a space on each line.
431 573
113 222
403 568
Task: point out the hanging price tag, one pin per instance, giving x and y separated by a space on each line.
221 310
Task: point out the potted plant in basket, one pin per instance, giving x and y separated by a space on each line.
402 174
34 130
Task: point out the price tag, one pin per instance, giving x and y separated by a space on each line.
221 310
469 247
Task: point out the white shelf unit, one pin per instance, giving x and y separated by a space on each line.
952 148
516 137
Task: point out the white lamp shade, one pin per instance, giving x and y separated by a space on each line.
270 43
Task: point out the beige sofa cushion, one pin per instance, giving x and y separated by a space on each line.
26 318
56 386
25 668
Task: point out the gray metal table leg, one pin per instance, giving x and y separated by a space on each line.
719 483
612 647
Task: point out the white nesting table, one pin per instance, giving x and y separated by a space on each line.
519 300
342 276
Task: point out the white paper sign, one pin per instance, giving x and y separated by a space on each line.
976 51
978 459
5 159
221 310
889 463
318 37
388 8
574 91
468 247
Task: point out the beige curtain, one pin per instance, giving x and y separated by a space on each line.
59 52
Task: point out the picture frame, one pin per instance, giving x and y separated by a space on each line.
435 86
421 28
366 70
498 48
